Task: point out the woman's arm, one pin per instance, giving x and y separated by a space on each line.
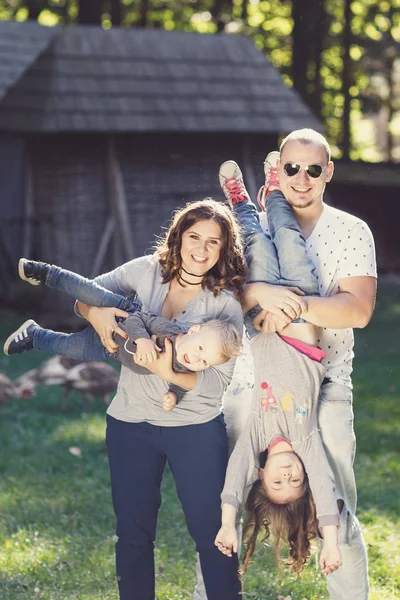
124 280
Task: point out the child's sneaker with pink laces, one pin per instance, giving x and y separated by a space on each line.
232 184
271 178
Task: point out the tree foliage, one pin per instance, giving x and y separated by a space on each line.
340 55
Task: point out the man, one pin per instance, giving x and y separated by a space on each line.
342 249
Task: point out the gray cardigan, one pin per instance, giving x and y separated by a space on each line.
138 397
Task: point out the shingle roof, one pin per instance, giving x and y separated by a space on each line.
19 48
137 80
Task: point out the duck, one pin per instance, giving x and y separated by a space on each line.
92 379
9 389
51 372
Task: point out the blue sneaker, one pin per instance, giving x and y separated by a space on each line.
22 339
32 271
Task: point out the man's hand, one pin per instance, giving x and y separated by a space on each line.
103 321
285 303
146 351
163 365
227 540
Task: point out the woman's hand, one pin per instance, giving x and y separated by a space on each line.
103 321
227 540
162 366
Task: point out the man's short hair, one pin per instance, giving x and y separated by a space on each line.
307 136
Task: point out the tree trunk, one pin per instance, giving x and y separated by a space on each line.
143 19
320 30
302 12
243 12
391 99
90 12
346 80
35 7
116 12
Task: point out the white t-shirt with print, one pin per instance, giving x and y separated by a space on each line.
341 245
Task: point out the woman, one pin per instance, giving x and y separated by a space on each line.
195 275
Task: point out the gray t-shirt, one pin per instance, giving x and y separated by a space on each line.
139 397
284 404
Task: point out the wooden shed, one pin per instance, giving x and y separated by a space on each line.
103 133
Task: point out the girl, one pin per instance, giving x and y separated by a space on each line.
290 488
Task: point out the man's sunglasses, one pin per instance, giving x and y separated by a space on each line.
314 171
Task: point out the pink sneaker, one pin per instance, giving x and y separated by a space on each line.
271 177
232 184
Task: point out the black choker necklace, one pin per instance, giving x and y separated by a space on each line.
180 278
192 274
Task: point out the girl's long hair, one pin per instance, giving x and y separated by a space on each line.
294 523
229 272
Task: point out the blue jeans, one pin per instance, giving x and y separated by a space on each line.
279 258
197 456
86 344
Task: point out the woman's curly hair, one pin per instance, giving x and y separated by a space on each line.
294 523
229 272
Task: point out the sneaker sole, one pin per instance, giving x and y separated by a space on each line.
22 275
16 332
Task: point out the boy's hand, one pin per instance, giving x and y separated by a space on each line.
227 540
163 365
169 401
146 352
330 559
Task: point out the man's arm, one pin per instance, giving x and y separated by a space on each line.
351 307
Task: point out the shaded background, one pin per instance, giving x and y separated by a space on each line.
106 128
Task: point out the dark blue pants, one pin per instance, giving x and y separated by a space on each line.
197 456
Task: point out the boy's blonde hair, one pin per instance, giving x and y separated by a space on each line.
231 341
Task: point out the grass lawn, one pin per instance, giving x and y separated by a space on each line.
56 519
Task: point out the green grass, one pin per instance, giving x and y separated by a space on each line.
56 519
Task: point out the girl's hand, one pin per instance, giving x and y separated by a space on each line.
269 323
146 351
103 321
227 540
163 365
169 401
330 559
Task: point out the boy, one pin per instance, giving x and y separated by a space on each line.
202 346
